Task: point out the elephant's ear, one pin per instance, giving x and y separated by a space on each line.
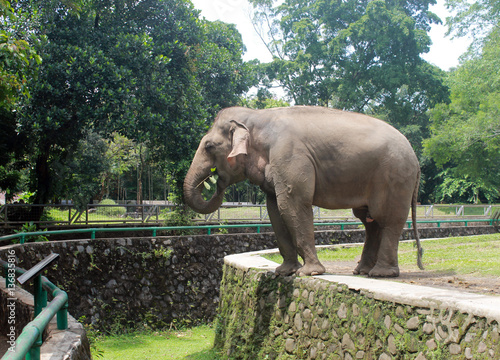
241 137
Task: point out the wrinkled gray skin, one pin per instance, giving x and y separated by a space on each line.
304 156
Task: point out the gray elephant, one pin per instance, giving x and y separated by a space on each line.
303 156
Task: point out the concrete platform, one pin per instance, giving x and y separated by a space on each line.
487 306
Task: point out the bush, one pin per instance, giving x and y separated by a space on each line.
110 210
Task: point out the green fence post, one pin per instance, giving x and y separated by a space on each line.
43 298
154 232
34 353
62 317
38 294
92 235
23 238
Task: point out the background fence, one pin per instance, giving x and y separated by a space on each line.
156 213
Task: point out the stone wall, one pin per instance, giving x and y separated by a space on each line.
115 283
348 317
140 282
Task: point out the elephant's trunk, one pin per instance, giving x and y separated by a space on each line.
193 186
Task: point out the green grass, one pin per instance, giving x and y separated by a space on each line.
192 344
471 255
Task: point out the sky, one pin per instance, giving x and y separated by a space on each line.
443 53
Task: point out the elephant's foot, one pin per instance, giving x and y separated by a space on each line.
311 270
288 268
381 271
362 269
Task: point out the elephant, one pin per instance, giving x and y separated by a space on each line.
302 156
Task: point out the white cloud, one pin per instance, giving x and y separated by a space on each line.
444 52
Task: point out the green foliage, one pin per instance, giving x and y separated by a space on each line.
18 63
18 59
475 18
181 216
111 208
79 177
151 72
29 228
93 335
264 99
339 54
463 190
465 134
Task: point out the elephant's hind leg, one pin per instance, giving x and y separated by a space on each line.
372 242
387 257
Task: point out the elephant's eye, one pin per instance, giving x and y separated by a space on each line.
209 146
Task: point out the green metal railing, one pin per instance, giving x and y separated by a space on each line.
28 343
154 230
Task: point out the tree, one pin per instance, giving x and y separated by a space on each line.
466 132
17 57
476 18
264 99
142 69
80 176
120 155
345 54
18 61
222 73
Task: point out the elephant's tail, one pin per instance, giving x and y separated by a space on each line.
420 251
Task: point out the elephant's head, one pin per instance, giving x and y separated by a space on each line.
222 150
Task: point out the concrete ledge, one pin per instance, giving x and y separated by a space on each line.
348 317
69 344
423 296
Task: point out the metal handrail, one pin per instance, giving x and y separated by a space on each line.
209 228
32 331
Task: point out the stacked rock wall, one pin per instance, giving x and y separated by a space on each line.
273 317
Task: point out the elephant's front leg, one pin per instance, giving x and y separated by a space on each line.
298 218
288 249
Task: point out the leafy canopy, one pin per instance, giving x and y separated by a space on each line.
151 71
466 132
344 54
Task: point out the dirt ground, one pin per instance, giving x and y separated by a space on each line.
490 286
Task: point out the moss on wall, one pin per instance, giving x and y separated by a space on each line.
264 316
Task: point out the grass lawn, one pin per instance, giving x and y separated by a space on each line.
471 255
192 344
